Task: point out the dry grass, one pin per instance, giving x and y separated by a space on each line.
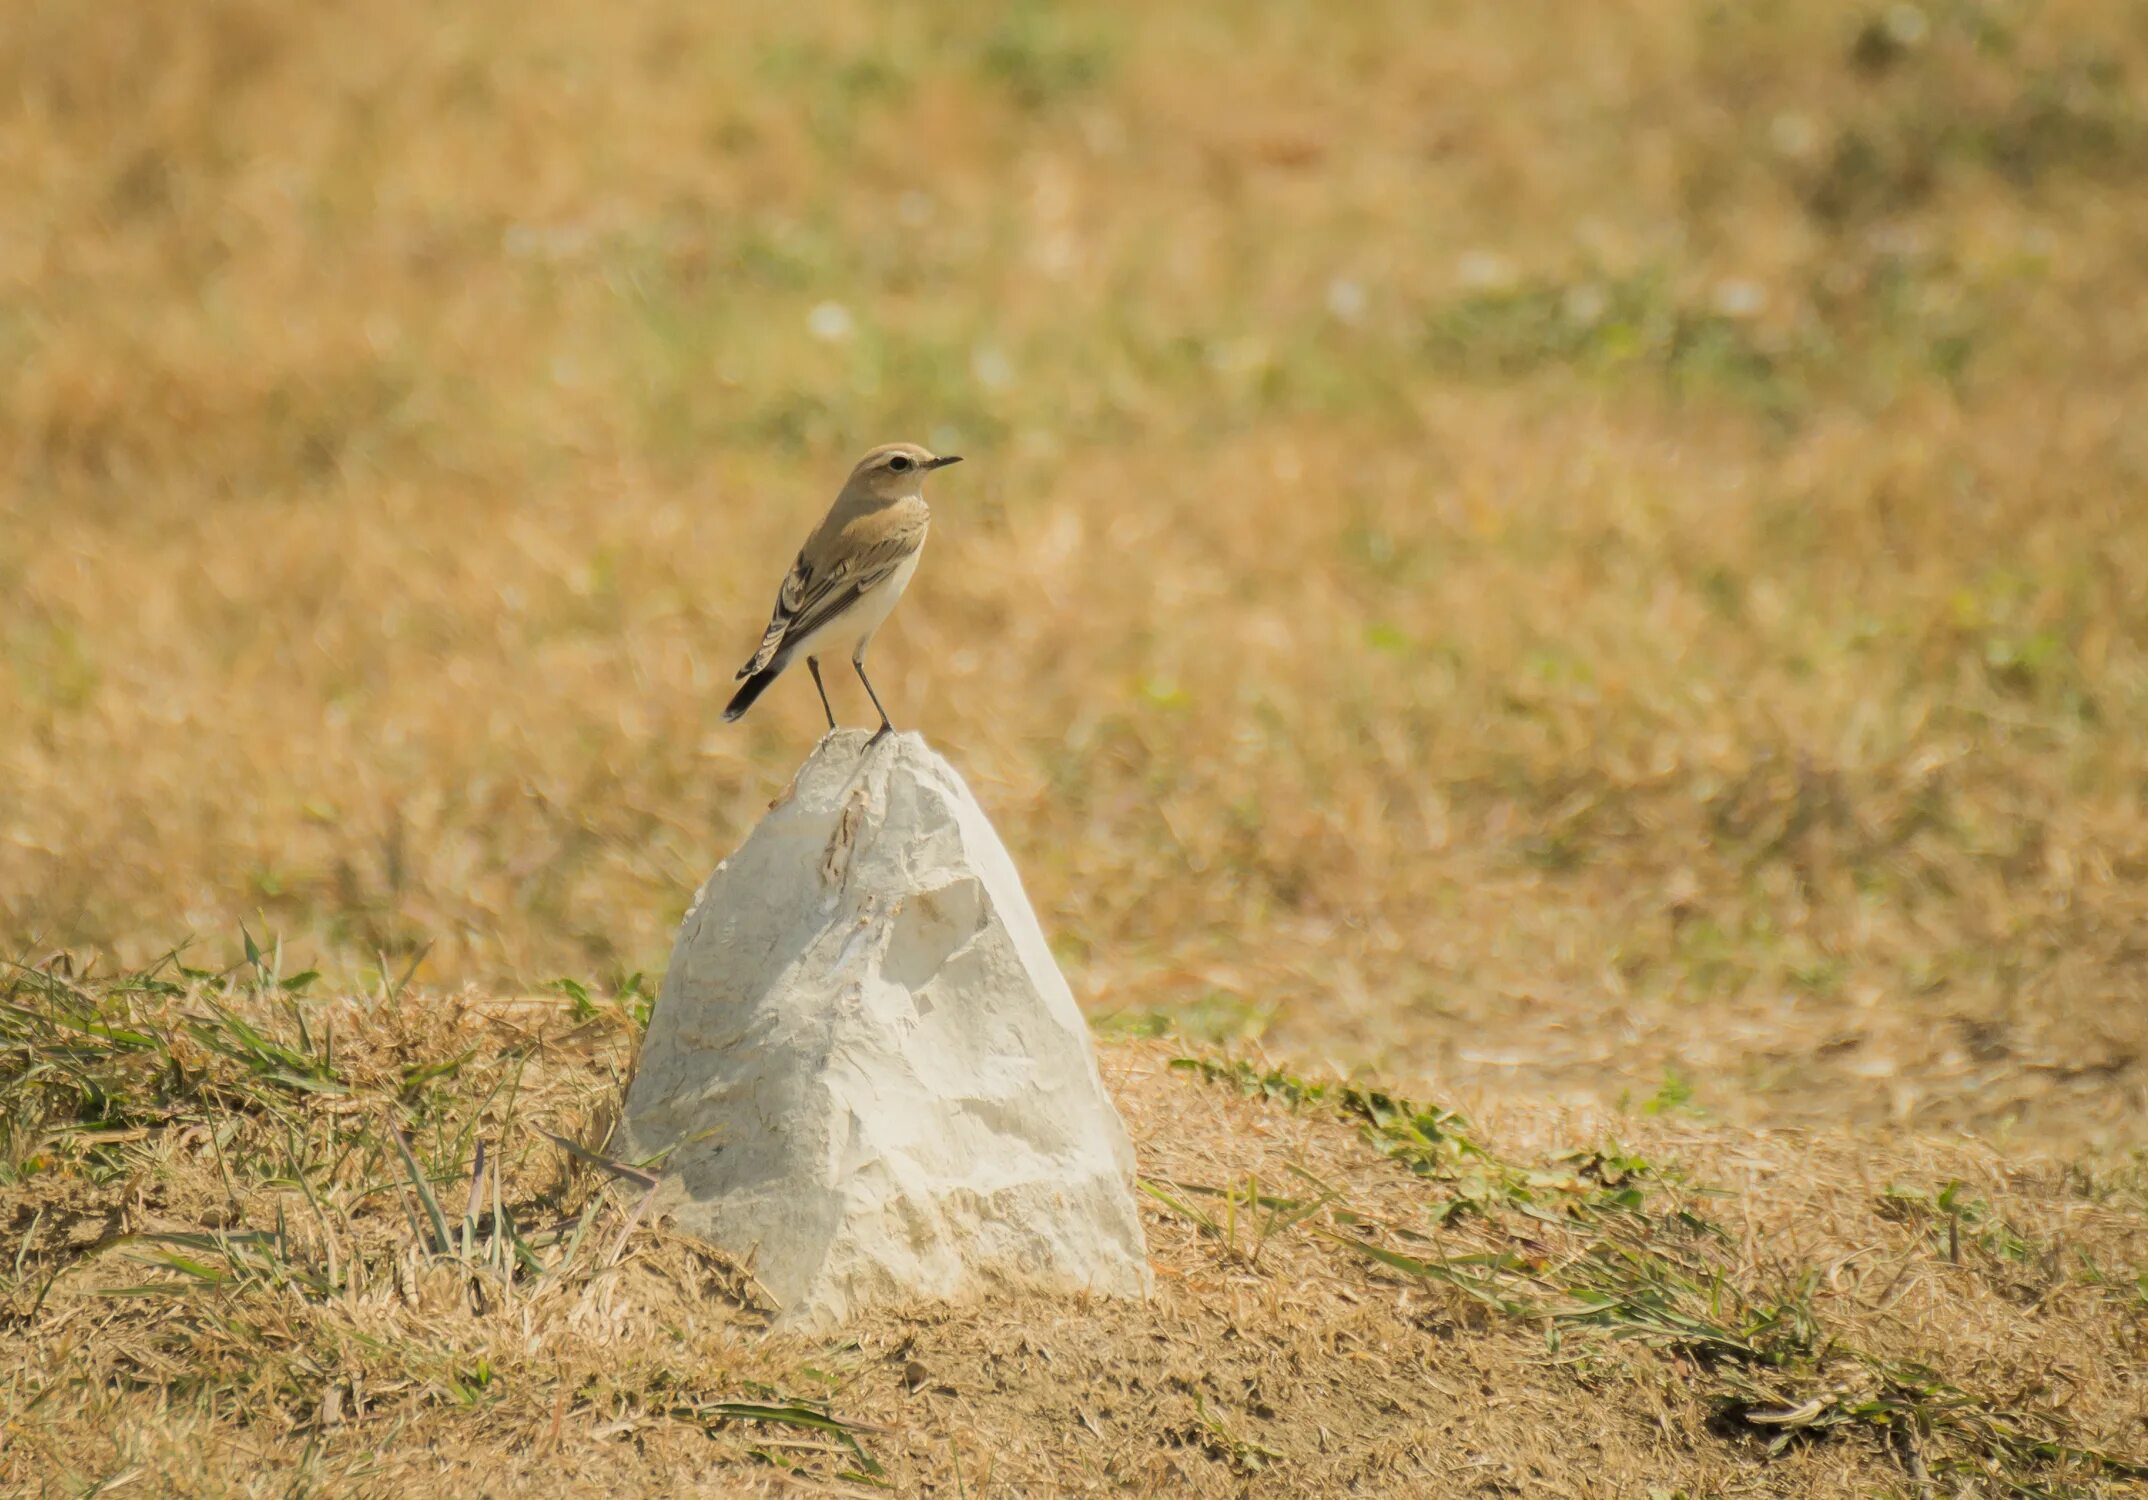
228 1278
1577 552
1557 545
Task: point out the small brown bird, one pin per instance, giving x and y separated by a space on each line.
848 575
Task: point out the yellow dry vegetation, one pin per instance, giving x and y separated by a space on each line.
263 1242
1599 547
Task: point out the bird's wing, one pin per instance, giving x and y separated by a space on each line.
864 555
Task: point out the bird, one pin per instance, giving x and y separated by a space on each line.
848 576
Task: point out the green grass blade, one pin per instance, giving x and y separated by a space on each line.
425 1192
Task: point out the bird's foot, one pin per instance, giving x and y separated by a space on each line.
880 734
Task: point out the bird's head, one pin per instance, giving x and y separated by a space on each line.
896 471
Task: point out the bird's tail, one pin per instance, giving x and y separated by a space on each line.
752 688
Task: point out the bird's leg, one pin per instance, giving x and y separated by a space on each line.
857 660
813 665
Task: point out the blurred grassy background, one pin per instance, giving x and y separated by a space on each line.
1595 545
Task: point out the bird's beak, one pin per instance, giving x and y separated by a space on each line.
943 462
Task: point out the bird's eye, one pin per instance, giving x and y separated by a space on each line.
898 463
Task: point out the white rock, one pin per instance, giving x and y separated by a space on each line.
874 1082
